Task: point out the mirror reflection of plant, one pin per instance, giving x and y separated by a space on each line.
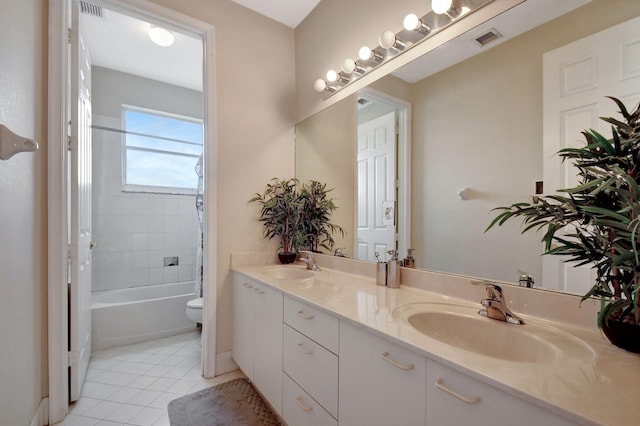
281 213
316 216
600 216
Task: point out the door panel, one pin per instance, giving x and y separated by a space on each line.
577 77
80 211
376 186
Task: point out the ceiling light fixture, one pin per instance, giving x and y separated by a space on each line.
160 36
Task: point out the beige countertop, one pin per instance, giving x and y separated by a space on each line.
589 380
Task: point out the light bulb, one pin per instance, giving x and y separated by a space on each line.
320 85
332 76
441 6
161 36
365 53
348 66
387 39
412 22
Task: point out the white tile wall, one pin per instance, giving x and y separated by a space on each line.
135 231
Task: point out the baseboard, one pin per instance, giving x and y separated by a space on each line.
42 414
224 363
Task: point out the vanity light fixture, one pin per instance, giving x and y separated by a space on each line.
388 40
413 23
451 8
415 30
366 54
161 36
349 66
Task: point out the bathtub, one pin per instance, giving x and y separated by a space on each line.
137 314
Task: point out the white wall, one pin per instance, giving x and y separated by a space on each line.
23 291
134 231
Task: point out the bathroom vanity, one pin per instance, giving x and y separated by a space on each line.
331 347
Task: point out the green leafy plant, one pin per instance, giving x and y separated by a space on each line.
316 216
281 213
600 217
298 214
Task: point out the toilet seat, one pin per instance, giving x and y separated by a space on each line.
195 303
194 310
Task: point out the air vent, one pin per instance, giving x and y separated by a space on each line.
90 9
488 37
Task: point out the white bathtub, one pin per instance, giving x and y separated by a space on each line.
137 314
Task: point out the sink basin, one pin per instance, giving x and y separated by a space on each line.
462 327
289 273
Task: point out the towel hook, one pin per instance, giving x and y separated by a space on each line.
11 144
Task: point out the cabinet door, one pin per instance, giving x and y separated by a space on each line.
455 399
380 383
243 332
267 368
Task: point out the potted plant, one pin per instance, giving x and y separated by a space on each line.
601 221
316 216
281 214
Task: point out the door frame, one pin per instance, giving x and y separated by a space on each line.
403 159
58 167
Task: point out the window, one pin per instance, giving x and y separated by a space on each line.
160 151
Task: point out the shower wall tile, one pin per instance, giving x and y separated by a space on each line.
135 231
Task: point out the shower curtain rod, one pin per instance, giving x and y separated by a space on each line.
128 132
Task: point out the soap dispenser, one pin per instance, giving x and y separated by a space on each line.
409 261
393 270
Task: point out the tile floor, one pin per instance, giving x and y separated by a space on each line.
132 385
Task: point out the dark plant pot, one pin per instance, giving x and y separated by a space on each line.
622 334
287 258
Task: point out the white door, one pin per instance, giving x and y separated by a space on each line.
376 203
577 77
80 211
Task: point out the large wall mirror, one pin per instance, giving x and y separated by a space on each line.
470 138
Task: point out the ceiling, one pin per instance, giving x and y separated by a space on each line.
121 42
287 12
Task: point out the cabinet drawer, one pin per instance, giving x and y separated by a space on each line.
312 322
313 367
381 383
299 409
453 398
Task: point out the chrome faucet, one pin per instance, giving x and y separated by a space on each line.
495 307
309 260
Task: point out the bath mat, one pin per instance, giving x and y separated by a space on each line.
232 403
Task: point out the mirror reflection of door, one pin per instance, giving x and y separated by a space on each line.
376 224
577 77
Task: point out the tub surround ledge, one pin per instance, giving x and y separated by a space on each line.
596 386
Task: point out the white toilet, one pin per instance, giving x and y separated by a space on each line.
194 310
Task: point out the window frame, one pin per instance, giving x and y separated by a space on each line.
153 189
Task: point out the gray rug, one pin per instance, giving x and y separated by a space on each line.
232 403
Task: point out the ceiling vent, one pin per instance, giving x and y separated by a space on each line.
488 37
90 9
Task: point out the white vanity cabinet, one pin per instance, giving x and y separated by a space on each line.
381 383
455 399
310 365
257 331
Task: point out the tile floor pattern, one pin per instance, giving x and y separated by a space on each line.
132 385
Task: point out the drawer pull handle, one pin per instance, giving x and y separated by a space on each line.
257 290
302 406
247 285
440 385
303 350
385 356
302 315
